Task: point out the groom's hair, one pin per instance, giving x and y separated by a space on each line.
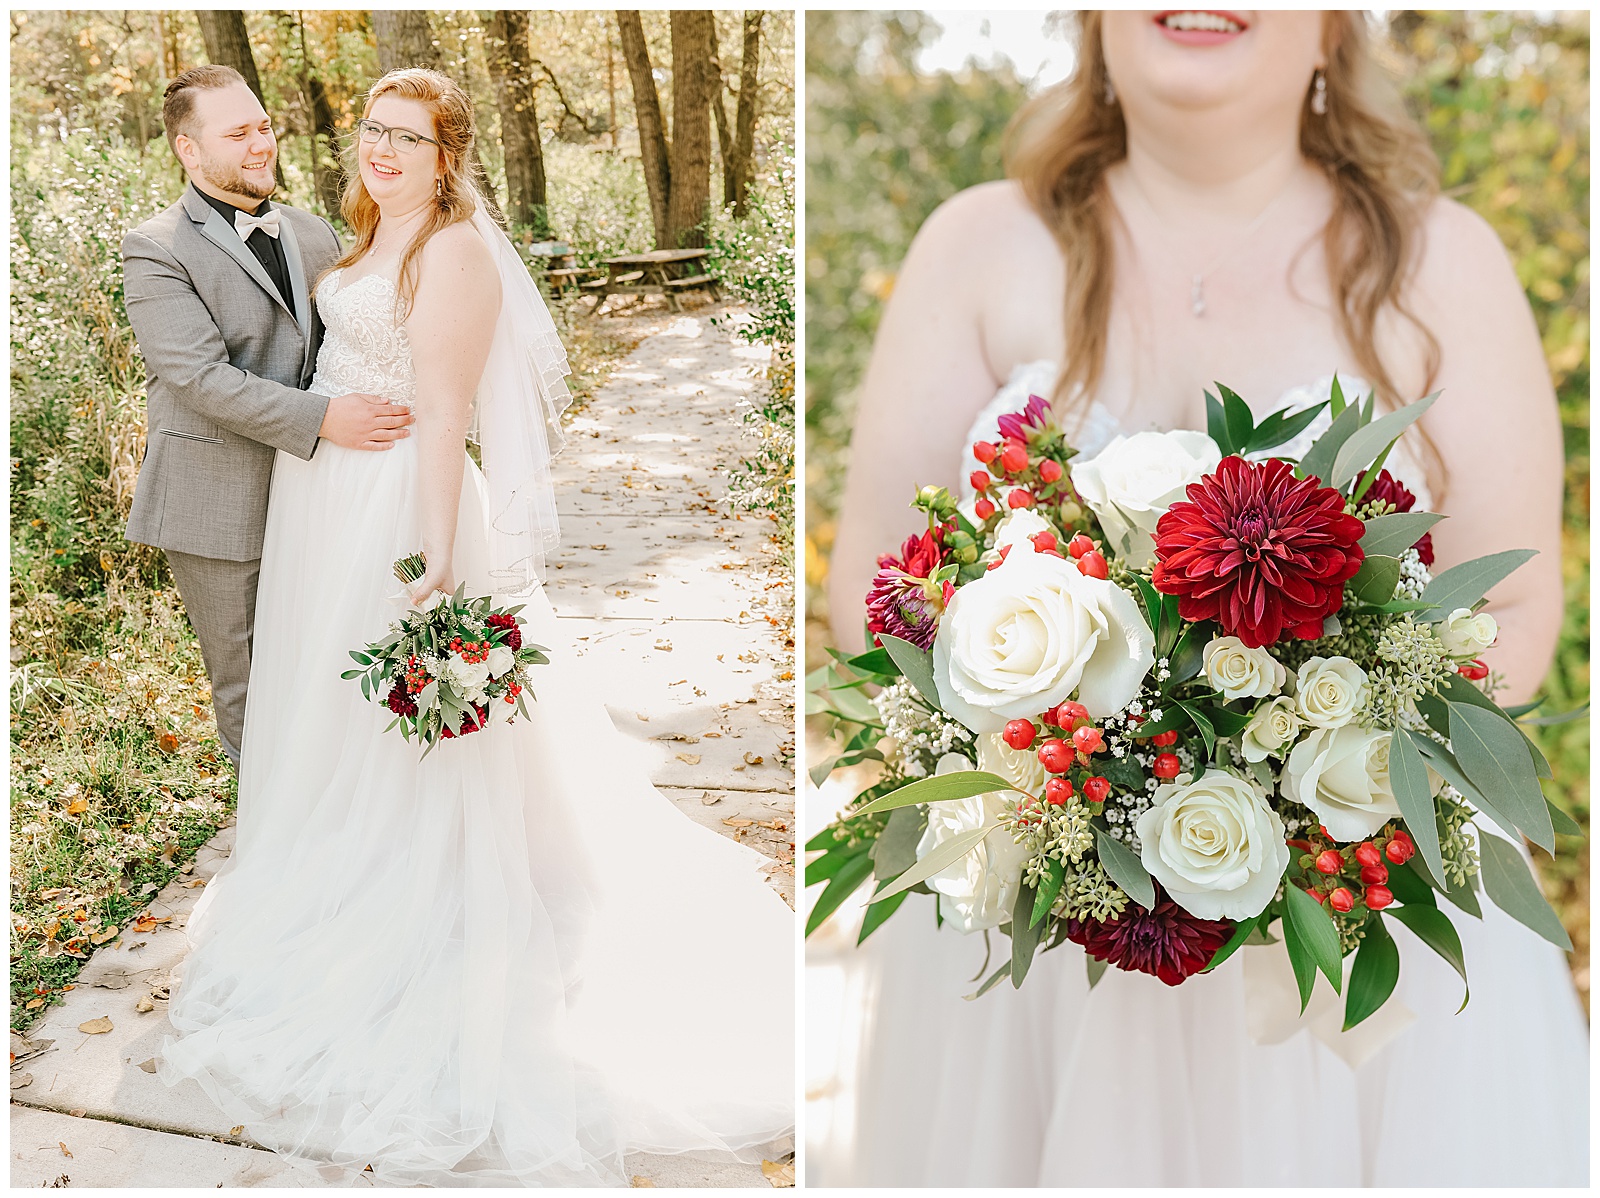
177 107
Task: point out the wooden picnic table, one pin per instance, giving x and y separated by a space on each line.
655 272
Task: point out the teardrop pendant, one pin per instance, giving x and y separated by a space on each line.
1197 296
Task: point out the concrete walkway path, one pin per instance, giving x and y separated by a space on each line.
668 600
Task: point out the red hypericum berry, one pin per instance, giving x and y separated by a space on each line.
1014 458
1377 898
1057 791
980 480
1019 498
1166 766
1404 838
985 451
1164 740
1019 734
1397 852
1374 875
1341 900
1050 470
1329 862
1367 853
1088 741
1044 541
1323 828
1318 895
1474 670
1056 755
1004 549
1093 564
1079 545
984 508
1096 789
1073 711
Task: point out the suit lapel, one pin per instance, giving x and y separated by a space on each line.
223 235
297 276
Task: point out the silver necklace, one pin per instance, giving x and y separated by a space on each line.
1197 283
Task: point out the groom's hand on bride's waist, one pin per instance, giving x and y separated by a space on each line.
358 421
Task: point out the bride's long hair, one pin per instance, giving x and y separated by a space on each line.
454 129
1380 165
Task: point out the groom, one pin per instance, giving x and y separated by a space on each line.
218 290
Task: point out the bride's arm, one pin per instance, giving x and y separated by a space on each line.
1499 431
450 328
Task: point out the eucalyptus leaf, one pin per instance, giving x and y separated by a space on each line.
842 886
1367 443
1096 970
944 855
1411 886
1054 875
1459 690
963 784
1374 974
1494 755
916 664
1563 718
1433 928
1376 580
993 980
1392 535
827 866
1413 792
879 913
819 773
1125 868
1319 458
1512 888
1025 935
1463 585
1563 823
895 850
1445 764
1281 427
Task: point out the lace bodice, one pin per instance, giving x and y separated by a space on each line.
1098 427
365 347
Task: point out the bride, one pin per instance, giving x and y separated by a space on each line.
513 962
1234 203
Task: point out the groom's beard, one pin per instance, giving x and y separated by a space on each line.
230 178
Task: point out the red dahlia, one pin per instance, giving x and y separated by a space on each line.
903 601
1263 553
400 701
1393 492
1167 942
509 623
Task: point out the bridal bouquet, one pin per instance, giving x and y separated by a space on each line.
449 668
1183 697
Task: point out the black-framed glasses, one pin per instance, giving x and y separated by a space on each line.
403 140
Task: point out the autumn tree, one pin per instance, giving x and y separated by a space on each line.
653 151
507 48
742 166
404 39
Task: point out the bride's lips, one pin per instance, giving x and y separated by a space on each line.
1200 36
384 172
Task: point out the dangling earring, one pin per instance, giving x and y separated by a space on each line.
1319 95
1110 93
438 187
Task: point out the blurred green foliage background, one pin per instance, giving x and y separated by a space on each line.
1504 97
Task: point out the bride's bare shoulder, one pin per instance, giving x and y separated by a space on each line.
994 215
457 264
1464 266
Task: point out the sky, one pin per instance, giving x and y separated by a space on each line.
1038 53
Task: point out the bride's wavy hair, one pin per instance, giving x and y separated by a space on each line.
454 128
1381 167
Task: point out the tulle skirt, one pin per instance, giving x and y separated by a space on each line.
1134 1083
508 964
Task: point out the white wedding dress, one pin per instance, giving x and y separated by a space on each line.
1138 1084
508 964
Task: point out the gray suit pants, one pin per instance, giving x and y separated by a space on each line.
220 597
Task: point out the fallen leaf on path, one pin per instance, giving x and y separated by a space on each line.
753 758
34 1004
144 1005
167 743
709 799
689 758
688 740
95 1027
193 882
65 1151
148 1066
643 1183
20 1080
780 1175
77 806
77 1112
102 937
777 825
234 1131
738 821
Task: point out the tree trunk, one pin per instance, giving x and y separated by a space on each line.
611 90
693 85
507 47
744 137
228 45
327 174
719 114
654 151
404 39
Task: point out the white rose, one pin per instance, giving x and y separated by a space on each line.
1329 691
978 890
1019 766
1020 525
1342 774
1241 672
467 677
501 659
1467 635
1271 730
1215 845
1028 634
1132 482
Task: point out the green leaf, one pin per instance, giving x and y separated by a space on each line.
352 674
1494 755
1054 874
830 863
1126 870
1208 732
878 913
1376 580
874 661
1365 444
1413 793
1319 458
941 788
819 773
1563 823
1217 423
1564 717
916 664
1149 599
1241 933
1124 773
1392 535
843 885
1240 423
1459 690
1305 920
1025 936
1433 928
1374 974
1188 657
946 854
1305 968
1096 970
1511 887
1412 886
1463 585
1336 397
895 850
1281 427
1227 723
994 980
1443 762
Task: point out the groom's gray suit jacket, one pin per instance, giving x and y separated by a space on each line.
227 363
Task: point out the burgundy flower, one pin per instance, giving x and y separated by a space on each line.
467 726
1167 942
400 701
903 601
513 639
1263 553
1393 492
1035 415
